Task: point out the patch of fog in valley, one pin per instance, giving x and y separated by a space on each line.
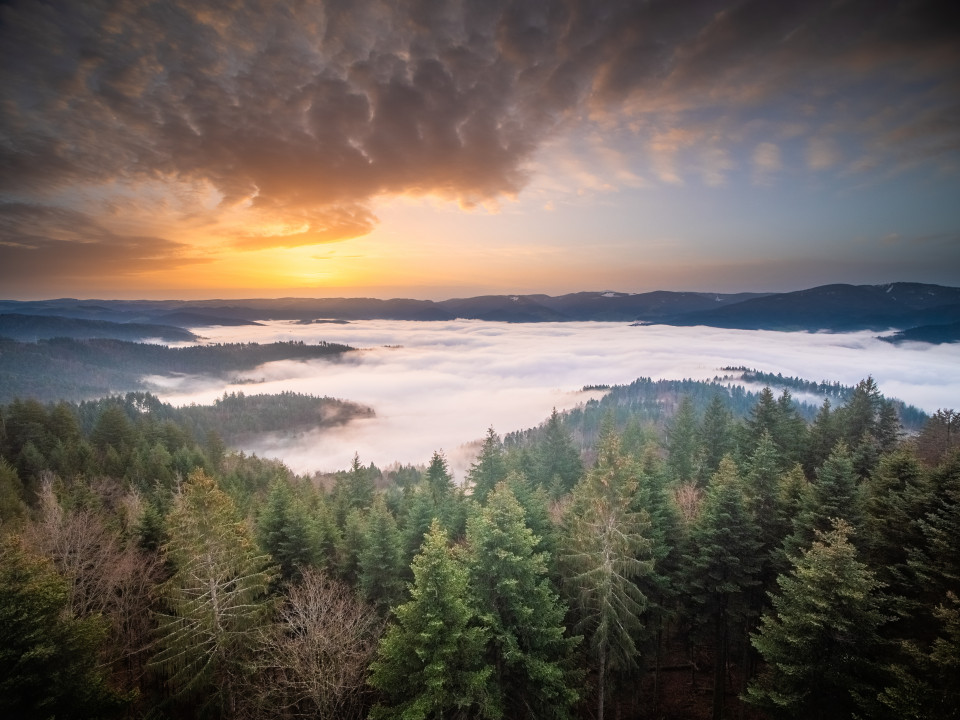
440 385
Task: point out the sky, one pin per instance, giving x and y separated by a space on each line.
448 148
440 385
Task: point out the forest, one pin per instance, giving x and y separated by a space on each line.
69 369
689 553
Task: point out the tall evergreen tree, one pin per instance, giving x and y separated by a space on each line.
821 639
216 596
683 442
607 550
489 467
716 438
381 571
284 530
431 663
527 644
48 658
723 566
557 462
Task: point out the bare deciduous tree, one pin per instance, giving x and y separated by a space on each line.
314 660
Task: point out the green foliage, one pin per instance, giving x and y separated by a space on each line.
13 509
48 658
820 642
557 464
683 442
380 561
214 599
489 467
526 639
607 549
716 438
430 663
723 566
285 531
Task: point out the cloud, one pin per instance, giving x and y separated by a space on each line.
766 162
822 154
65 244
302 114
444 383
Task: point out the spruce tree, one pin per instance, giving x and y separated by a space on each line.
607 551
431 662
820 640
683 442
285 532
723 566
381 571
716 438
527 645
215 598
489 467
557 463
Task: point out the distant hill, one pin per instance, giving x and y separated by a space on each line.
836 308
30 328
936 334
64 368
897 306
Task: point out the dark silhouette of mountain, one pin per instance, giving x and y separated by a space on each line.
935 334
837 308
829 307
185 318
31 328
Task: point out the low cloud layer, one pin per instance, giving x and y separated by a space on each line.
296 115
448 382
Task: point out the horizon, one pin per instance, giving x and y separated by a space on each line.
453 151
161 297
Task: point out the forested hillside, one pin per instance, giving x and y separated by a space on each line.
702 562
67 369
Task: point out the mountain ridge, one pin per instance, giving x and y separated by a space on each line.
836 307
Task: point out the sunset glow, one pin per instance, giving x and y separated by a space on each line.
151 148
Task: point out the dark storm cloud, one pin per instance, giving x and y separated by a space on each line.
308 110
64 244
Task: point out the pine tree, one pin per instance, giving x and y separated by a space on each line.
214 599
557 463
527 644
683 442
285 532
820 640
607 550
822 438
489 467
430 664
716 438
723 566
835 494
381 571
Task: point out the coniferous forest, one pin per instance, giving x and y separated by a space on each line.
715 554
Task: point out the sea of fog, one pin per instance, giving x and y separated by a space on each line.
440 385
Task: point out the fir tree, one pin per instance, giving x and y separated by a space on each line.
489 467
820 640
527 644
430 664
214 599
557 463
381 571
607 550
723 566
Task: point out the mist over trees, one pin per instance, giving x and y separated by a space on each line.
714 554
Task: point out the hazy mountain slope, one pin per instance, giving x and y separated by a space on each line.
44 327
836 307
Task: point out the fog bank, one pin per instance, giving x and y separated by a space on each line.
441 385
